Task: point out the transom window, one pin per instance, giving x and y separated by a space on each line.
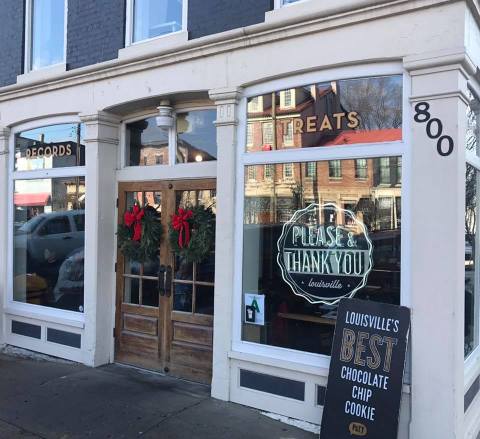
147 19
192 139
45 28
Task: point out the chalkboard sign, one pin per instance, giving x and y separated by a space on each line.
366 371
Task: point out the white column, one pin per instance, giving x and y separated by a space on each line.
101 141
4 227
436 194
227 108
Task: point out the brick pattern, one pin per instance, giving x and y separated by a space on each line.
206 17
11 40
96 31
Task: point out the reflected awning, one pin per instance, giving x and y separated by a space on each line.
366 136
40 199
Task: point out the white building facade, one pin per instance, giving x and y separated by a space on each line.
263 90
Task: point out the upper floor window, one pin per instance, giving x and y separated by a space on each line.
288 2
147 19
45 33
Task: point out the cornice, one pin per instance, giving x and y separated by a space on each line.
258 34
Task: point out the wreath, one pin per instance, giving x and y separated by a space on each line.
192 233
139 235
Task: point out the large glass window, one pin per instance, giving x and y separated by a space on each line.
47 33
48 242
49 217
154 18
472 181
350 205
336 113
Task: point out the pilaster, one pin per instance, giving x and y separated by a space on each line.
101 142
4 154
226 101
436 194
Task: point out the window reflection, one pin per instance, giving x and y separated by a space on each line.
471 285
54 146
364 110
291 321
196 136
147 144
473 125
49 233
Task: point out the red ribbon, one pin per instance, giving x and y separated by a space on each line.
135 218
182 226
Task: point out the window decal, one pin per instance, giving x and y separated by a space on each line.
323 262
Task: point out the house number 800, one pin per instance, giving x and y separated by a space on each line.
434 128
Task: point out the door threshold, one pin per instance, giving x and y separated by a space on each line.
156 372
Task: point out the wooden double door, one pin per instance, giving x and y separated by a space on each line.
164 307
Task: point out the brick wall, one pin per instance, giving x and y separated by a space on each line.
11 40
206 17
96 31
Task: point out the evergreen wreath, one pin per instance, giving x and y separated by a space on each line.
140 234
192 233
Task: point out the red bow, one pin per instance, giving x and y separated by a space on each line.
135 218
181 225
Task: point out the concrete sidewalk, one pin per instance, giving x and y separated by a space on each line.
41 398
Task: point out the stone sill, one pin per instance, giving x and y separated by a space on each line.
154 46
44 74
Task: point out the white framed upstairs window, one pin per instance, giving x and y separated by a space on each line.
45 33
149 19
281 3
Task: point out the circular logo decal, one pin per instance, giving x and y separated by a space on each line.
324 253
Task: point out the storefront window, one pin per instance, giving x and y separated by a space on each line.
146 143
55 146
364 217
344 112
196 136
48 242
472 181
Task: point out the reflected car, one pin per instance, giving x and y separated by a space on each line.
68 292
49 238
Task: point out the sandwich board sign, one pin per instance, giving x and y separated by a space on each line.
366 371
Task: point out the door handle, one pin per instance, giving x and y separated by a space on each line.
161 280
67 237
168 281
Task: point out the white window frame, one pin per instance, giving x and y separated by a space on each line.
392 149
29 310
129 23
281 3
29 41
169 169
